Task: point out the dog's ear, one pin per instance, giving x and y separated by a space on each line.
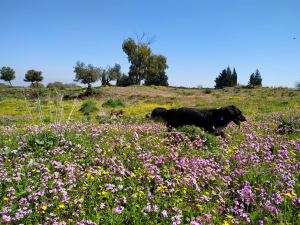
230 110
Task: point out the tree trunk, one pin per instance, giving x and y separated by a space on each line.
10 83
89 90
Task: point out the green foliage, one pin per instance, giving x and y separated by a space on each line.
33 76
226 79
195 133
44 102
207 91
144 64
255 78
2 85
86 74
124 81
185 93
160 80
34 85
88 107
109 74
113 103
288 124
38 143
7 74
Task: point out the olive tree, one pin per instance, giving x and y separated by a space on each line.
33 76
7 74
87 75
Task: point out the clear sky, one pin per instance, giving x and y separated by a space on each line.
200 38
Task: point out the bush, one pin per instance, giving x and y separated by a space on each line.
288 124
88 107
58 84
71 85
3 85
113 103
207 91
50 85
34 85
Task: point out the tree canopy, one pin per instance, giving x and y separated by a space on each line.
87 75
7 74
143 62
33 76
226 78
255 78
160 80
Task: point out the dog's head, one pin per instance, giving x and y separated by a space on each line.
235 114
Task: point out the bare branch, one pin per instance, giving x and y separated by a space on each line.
149 40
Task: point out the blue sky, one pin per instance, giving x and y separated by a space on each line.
198 37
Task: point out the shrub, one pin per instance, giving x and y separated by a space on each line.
187 93
207 91
288 124
50 85
71 85
3 85
57 84
113 103
34 85
44 102
88 107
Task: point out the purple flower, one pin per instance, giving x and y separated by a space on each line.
164 213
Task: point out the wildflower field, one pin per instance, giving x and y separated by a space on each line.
59 166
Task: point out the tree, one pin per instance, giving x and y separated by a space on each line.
7 74
117 69
109 74
33 76
234 77
257 78
222 80
226 78
251 81
297 84
160 80
87 75
124 81
143 62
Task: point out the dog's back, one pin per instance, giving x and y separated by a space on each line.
189 116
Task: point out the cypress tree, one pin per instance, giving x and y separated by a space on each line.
257 78
234 77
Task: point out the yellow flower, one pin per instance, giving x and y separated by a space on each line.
5 199
44 207
293 193
229 216
61 206
288 194
137 206
103 192
207 193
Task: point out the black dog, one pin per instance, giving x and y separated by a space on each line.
212 120
159 114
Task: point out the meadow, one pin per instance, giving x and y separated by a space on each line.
59 166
